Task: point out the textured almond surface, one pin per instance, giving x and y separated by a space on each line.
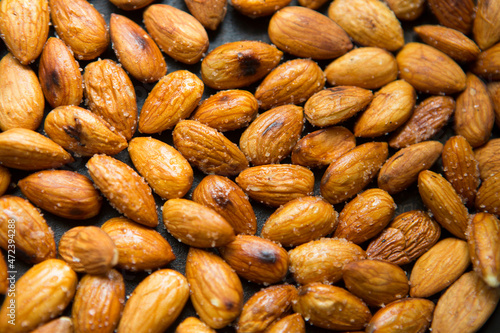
210 13
488 63
488 158
457 15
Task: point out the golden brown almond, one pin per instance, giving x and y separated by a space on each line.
331 307
227 110
238 64
457 14
258 8
135 50
80 26
323 147
391 106
208 149
24 27
210 13
172 99
167 172
126 191
407 9
131 4
450 41
439 267
4 180
368 22
63 193
410 314
110 94
487 64
34 239
59 325
444 203
486 27
276 184
176 32
193 325
42 293
228 199
139 248
4 283
488 158
300 221
256 259
82 132
486 198
98 303
390 246
465 306
376 282
483 237
312 4
461 168
28 150
21 96
365 216
494 92
364 67
59 74
323 260
474 117
429 70
306 33
351 172
88 250
293 323
216 291
292 82
265 306
428 118
155 303
402 169
271 137
196 225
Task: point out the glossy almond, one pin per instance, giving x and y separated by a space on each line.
457 15
59 325
258 8
494 92
486 27
193 325
486 198
210 13
407 10
5 178
293 323
487 64
488 158
131 4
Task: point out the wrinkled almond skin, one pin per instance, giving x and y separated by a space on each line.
266 306
34 239
126 191
98 303
80 26
428 118
487 199
487 64
351 172
136 50
172 99
306 33
450 314
276 184
21 96
258 8
292 82
488 158
457 14
59 325
256 259
63 193
272 135
4 180
368 22
402 169
167 172
216 291
131 4
494 92
210 13
406 315
139 248
110 94
155 303
59 74
365 216
208 149
82 132
238 64
429 70
28 150
293 323
228 199
193 325
323 260
227 110
196 225
407 10
42 293
176 32
486 27
446 206
331 307
439 267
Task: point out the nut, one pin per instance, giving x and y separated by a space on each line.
488 158
59 325
193 325
210 13
407 10
486 197
4 179
293 323
486 28
258 8
487 64
457 15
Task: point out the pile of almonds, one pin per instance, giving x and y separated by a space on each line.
276 164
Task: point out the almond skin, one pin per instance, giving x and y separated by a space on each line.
63 193
59 325
307 33
4 180
210 13
407 10
494 92
487 64
193 325
488 159
457 15
258 8
135 50
486 27
486 199
293 323
131 4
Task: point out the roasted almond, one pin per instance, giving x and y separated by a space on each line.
313 4
258 8
407 10
59 325
486 197
131 4
457 15
293 323
4 283
193 325
487 64
4 179
488 158
494 92
210 13
486 27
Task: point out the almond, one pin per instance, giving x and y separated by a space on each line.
4 180
59 325
193 325
407 10
210 13
293 323
126 191
4 283
176 32
390 246
486 198
131 4
457 15
306 33
486 27
487 64
488 158
258 8
494 92
313 4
